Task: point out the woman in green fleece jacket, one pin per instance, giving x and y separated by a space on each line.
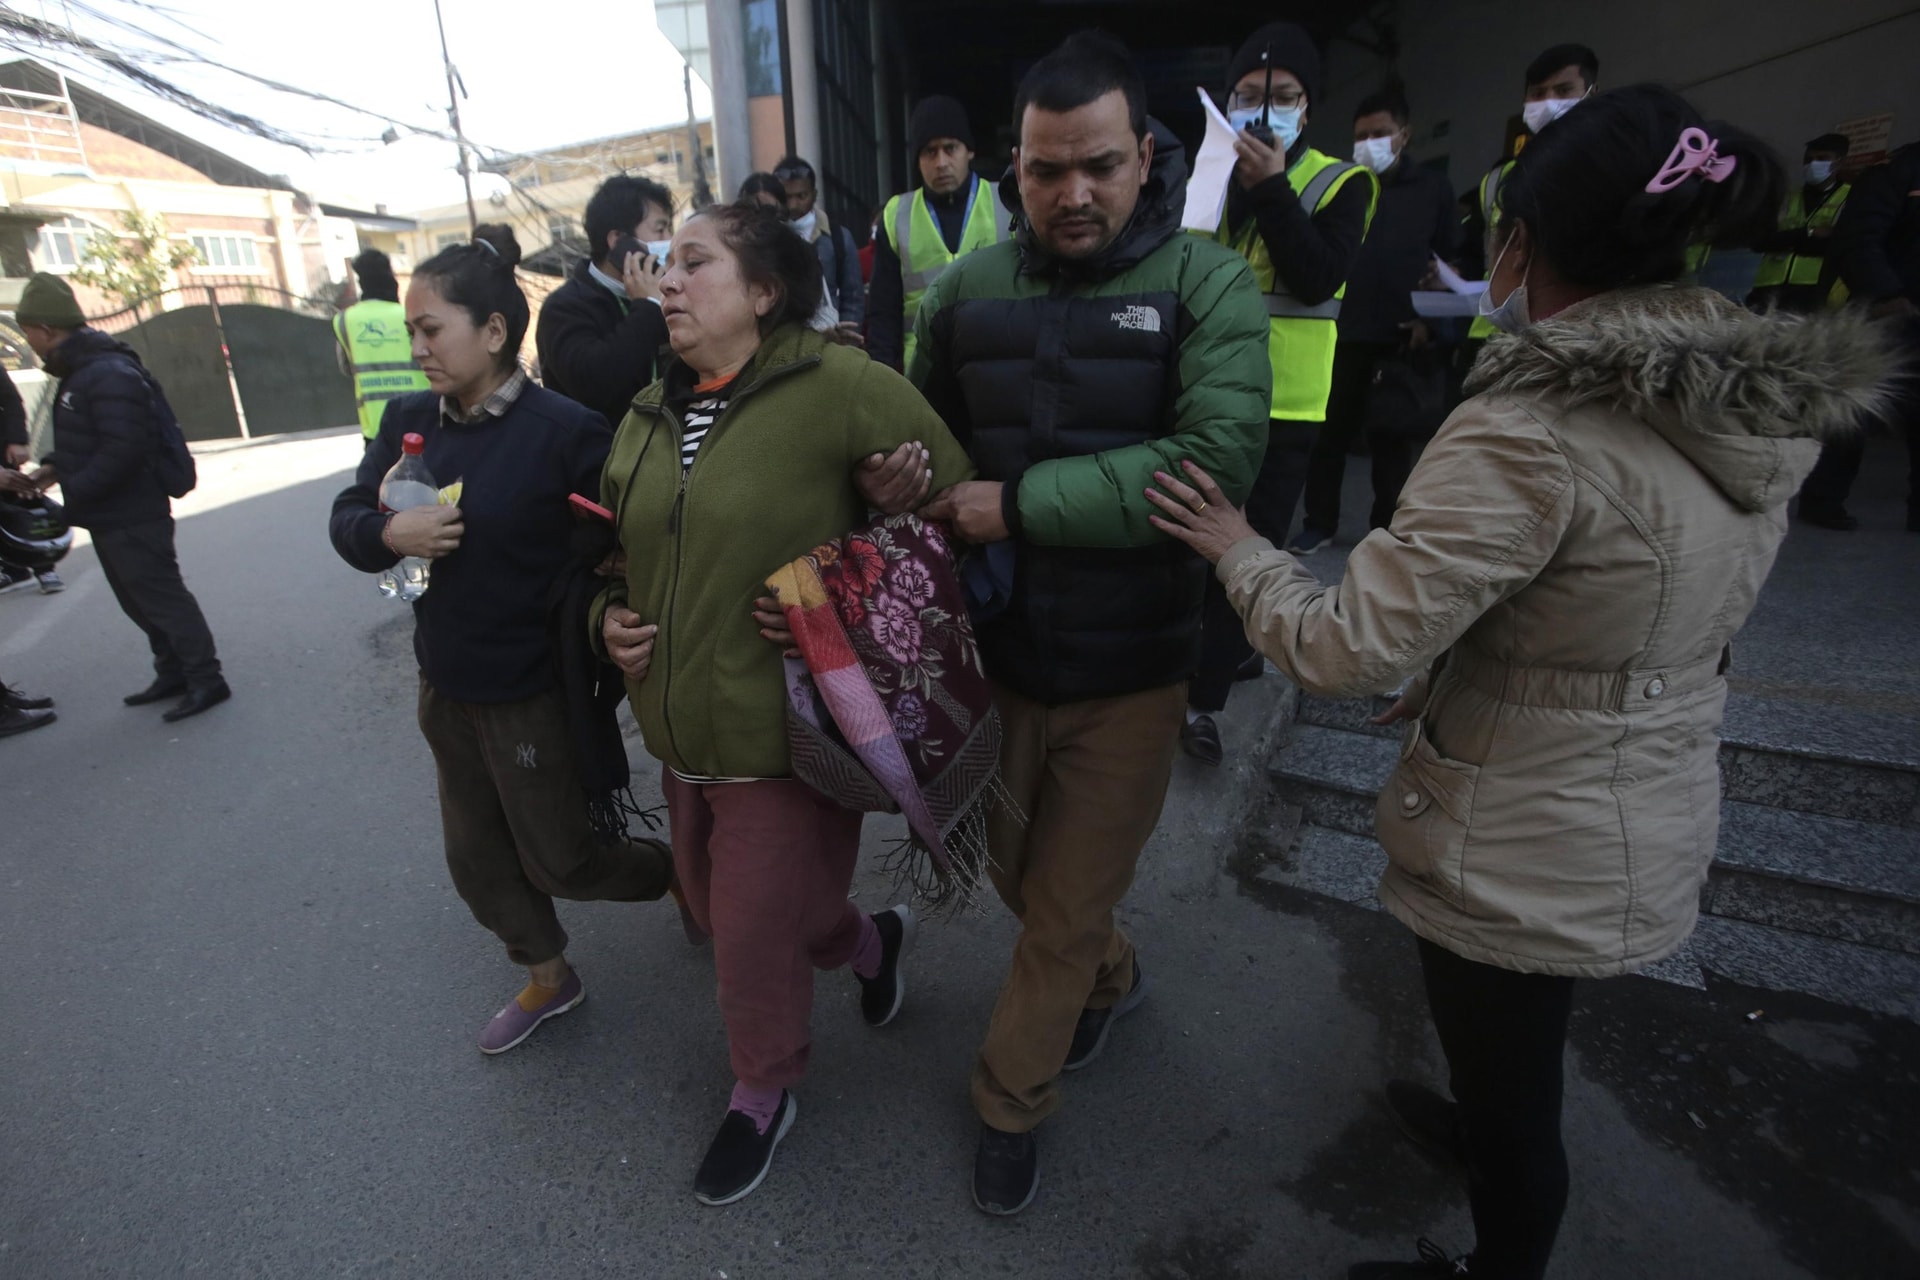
743 457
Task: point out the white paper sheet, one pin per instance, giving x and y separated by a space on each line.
1434 304
1212 171
1451 278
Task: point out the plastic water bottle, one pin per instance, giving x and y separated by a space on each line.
409 484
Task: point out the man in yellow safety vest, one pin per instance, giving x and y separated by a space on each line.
1298 216
1556 82
921 232
373 345
1796 276
1794 273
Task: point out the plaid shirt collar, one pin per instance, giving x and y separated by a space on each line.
498 401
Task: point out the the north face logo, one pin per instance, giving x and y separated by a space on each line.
1139 319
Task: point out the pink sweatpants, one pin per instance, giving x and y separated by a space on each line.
765 867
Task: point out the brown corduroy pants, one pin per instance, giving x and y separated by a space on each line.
1090 778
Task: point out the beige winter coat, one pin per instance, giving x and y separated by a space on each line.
1567 565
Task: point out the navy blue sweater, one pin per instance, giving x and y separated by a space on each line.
480 632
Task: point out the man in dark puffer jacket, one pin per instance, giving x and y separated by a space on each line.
1097 347
105 441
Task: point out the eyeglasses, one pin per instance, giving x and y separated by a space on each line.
1285 100
794 174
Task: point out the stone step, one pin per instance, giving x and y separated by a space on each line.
1336 864
1819 758
1832 877
1836 761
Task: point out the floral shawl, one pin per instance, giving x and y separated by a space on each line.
888 707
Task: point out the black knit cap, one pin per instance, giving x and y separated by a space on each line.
1293 50
938 117
1838 143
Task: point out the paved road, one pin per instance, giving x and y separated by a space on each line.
239 1012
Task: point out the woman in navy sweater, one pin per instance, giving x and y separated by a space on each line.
512 809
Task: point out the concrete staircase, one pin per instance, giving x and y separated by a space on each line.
1815 886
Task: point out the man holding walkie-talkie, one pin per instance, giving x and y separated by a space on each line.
1298 216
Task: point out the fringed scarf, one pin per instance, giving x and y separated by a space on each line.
592 691
888 707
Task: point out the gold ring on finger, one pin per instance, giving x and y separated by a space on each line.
1201 508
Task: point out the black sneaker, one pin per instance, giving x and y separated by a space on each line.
1090 1033
882 995
13 579
12 699
13 720
49 582
1200 738
1428 1120
1433 1262
740 1156
1006 1171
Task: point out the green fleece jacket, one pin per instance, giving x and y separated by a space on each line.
772 480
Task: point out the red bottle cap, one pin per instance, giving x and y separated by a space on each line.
414 443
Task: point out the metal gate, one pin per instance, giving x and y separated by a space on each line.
849 161
182 350
238 360
285 370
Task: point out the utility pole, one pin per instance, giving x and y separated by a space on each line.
453 115
702 193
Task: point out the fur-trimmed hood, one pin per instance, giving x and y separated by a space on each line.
1742 396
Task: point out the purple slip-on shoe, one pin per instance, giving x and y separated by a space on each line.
513 1024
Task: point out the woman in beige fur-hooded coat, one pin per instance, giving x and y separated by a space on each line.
1567 566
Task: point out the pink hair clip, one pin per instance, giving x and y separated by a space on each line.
1695 153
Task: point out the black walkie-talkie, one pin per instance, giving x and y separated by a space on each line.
1258 126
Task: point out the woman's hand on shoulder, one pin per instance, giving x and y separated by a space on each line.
629 642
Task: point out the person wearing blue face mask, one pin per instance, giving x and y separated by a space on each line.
1298 216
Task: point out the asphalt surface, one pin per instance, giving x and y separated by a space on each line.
237 1027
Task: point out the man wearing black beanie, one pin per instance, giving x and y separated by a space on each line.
1298 216
921 232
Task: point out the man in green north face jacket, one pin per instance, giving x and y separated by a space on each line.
1098 347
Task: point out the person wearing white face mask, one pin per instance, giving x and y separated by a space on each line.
839 256
1795 275
1377 328
1556 82
1298 216
600 333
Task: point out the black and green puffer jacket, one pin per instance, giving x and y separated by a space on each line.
1071 382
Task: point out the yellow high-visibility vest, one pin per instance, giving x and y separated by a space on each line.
1300 338
922 250
1490 215
374 336
1800 268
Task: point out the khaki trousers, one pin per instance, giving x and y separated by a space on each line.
1091 778
515 822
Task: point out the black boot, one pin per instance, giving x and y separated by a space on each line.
13 720
162 688
199 699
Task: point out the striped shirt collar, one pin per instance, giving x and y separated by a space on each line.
498 401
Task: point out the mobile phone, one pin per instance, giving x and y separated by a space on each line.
588 509
624 246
